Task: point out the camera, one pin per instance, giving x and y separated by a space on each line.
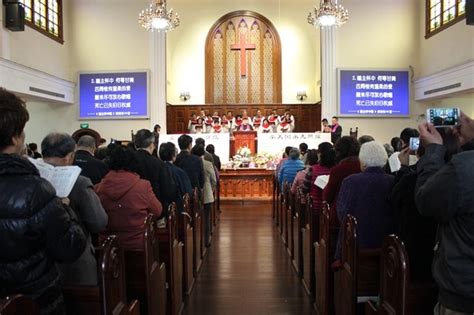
414 143
443 117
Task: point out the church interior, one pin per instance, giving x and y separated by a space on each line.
254 80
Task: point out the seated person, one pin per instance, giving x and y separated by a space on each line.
365 196
199 127
405 135
37 229
290 167
127 199
208 122
237 122
300 179
58 150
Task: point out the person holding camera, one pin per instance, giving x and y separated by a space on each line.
444 192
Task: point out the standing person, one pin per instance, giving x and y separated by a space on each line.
444 193
336 130
58 150
191 164
274 120
405 135
257 120
365 196
217 161
154 170
92 168
303 150
156 134
168 155
41 231
192 123
127 198
210 182
325 128
290 167
34 148
347 157
265 127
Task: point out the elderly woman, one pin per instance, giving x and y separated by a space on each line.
290 167
366 197
300 179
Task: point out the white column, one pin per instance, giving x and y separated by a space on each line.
158 80
328 73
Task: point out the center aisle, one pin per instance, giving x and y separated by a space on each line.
247 269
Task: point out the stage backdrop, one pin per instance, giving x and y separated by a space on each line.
275 143
220 142
243 60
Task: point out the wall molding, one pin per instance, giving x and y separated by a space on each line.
35 85
459 78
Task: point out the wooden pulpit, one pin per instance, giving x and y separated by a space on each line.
241 138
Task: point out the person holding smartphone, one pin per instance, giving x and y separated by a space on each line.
444 192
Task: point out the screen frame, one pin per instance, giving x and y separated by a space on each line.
78 95
338 76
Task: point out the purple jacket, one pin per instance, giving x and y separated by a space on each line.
365 196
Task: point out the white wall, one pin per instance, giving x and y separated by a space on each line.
448 48
380 34
35 50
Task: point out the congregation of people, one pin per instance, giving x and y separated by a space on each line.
423 196
47 242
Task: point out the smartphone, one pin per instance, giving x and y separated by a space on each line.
414 143
443 117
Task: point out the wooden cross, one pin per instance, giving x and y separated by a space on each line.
243 47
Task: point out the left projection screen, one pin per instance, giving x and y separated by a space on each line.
114 95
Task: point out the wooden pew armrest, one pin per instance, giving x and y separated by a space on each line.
134 308
371 308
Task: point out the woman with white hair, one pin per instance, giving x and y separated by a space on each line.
365 196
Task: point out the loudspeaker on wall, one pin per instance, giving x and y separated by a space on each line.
470 12
14 17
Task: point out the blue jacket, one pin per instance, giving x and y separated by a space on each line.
288 171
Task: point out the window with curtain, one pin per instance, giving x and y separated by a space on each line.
441 14
45 16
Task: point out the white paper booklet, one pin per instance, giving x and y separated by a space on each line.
321 181
62 178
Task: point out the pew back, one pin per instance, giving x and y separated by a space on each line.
18 304
398 296
323 287
360 272
186 237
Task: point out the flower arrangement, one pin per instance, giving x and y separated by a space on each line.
260 160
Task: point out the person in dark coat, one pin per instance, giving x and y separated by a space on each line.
336 130
444 192
58 150
36 229
154 170
92 168
168 155
191 164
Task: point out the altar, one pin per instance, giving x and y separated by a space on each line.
246 184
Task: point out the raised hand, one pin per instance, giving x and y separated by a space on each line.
429 135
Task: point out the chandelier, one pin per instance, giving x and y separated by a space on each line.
328 14
157 17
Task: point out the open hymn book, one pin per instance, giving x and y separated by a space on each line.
62 178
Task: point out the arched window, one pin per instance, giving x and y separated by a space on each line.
441 14
45 16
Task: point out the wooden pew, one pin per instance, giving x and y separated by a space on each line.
285 214
110 295
324 249
308 244
275 200
197 232
398 294
297 236
360 272
144 280
281 213
18 305
185 226
172 254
